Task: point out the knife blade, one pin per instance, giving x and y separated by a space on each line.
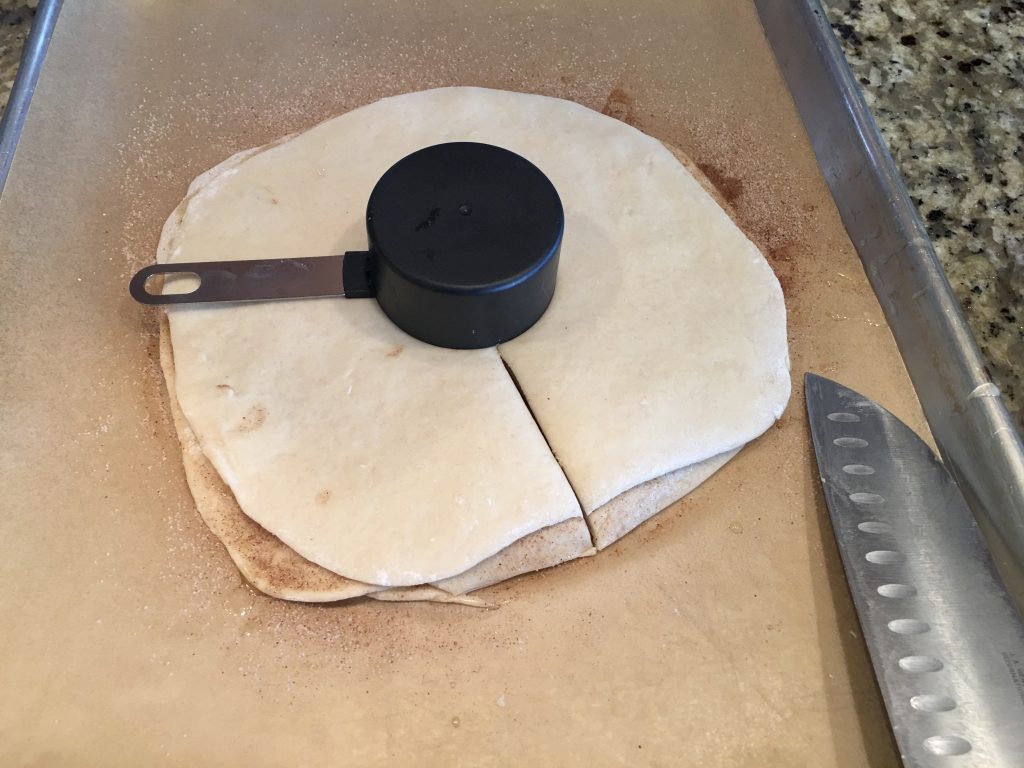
945 638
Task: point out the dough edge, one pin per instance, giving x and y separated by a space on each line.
276 570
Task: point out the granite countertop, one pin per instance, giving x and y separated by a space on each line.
15 20
945 80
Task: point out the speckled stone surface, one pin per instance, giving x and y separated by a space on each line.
15 21
945 79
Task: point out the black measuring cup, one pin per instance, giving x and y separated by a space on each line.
463 251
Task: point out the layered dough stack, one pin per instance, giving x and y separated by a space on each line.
335 456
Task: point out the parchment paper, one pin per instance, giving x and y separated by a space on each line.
720 633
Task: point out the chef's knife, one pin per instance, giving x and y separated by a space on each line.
945 638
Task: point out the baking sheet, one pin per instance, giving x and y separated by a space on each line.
978 439
720 633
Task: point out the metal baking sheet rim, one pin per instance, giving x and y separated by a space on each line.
970 422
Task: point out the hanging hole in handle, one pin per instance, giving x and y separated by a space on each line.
172 283
165 284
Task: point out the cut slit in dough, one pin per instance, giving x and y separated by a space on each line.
625 464
275 569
